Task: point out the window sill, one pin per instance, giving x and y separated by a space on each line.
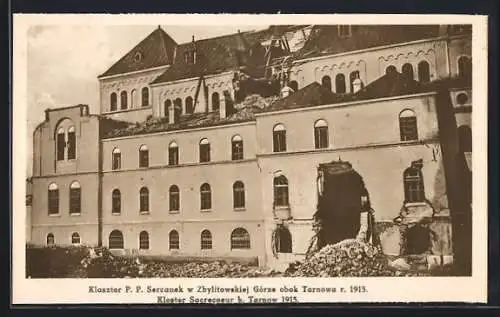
55 215
75 214
174 212
240 209
417 204
206 210
144 212
116 213
282 207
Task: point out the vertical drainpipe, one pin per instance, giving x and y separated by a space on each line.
99 188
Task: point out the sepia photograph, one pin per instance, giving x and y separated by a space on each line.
229 151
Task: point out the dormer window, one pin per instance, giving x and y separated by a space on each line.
190 57
138 57
344 30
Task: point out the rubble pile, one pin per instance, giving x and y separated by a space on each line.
256 101
348 258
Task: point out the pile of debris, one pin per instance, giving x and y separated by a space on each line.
256 101
348 258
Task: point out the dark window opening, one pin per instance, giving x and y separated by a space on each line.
340 87
143 157
123 100
281 191
206 240
173 155
117 159
205 197
279 138
326 82
116 202
144 199
173 240
75 238
145 97
61 144
407 71
423 72
166 106
240 239
174 198
204 151
294 85
53 199
215 101
237 148
115 240
408 126
238 195
284 240
143 240
413 185
189 105
418 240
50 239
321 135
113 102
71 145
391 70
75 199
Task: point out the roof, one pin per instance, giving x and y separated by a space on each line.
156 50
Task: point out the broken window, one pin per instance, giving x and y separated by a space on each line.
50 239
205 197
240 239
75 238
284 240
61 144
173 240
117 159
204 151
280 191
408 125
215 101
75 198
294 85
238 195
174 198
418 240
116 202
143 156
279 138
413 185
113 102
177 109
71 143
189 105
123 100
390 70
423 72
340 84
166 107
144 200
320 134
173 154
53 199
326 82
206 240
145 96
237 148
144 240
407 71
115 240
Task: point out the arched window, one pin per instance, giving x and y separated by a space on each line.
145 97
75 199
177 109
205 197
408 129
284 240
75 238
166 105
320 134
174 201
113 102
133 98
116 202
413 185
236 148
464 67
116 159
294 85
71 143
50 239
204 150
173 240
391 70
407 71
143 156
465 138
240 239
206 240
279 138
123 100
215 101
115 240
353 76
144 240
53 199
189 105
173 154
326 82
61 144
340 84
280 191
423 72
144 200
238 195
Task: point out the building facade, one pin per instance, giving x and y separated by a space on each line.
213 148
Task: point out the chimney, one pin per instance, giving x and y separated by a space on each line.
171 115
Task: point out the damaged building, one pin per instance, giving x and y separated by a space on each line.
268 144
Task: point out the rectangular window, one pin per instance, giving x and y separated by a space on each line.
173 156
239 198
321 137
74 200
206 201
281 196
237 150
174 202
279 141
204 153
144 203
117 161
408 128
53 202
144 158
61 144
71 145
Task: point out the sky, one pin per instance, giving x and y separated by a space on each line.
65 60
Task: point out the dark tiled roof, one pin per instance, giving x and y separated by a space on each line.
157 49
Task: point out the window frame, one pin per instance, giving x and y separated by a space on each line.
204 151
116 159
173 154
281 190
408 126
237 149
144 240
75 198
240 239
206 240
144 207
424 71
123 100
174 199
340 84
321 137
53 199
119 239
113 102
116 202
71 143
51 236
145 97
205 197
239 194
414 187
75 235
143 156
279 138
174 240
